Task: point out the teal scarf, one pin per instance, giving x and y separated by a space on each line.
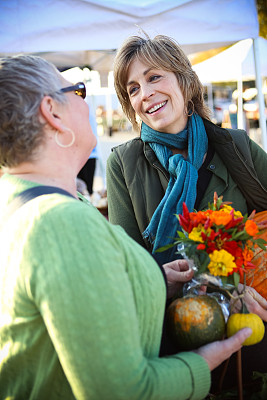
183 180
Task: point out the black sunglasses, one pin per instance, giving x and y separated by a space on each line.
79 89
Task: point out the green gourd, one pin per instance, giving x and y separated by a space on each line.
193 321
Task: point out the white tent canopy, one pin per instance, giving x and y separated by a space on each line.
234 63
87 32
81 32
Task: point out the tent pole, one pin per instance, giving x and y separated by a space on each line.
109 106
240 119
262 117
209 94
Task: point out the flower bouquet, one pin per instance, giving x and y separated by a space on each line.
219 244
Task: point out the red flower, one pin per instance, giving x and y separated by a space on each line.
185 219
241 269
201 246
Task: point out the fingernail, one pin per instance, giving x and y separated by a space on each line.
248 331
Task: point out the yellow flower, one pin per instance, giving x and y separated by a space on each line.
228 209
195 234
221 263
238 214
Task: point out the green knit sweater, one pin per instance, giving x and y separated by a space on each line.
81 309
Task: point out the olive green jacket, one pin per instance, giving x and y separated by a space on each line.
136 181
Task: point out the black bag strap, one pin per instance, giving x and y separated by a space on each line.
30 194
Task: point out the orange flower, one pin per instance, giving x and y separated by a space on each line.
198 218
247 254
251 227
220 218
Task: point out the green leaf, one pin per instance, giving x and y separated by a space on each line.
204 263
224 280
261 243
230 280
181 235
262 246
242 235
164 248
236 277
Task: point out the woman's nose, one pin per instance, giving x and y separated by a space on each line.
147 91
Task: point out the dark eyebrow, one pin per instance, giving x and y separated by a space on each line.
144 73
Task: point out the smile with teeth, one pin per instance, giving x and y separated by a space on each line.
155 108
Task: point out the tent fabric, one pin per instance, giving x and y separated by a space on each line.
235 63
83 26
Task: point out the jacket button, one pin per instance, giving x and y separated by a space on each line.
212 166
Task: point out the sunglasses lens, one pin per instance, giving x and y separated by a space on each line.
81 92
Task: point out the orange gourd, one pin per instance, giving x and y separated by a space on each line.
257 278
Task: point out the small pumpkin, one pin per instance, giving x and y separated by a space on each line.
257 278
193 321
238 321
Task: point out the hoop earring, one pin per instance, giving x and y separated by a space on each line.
192 108
65 145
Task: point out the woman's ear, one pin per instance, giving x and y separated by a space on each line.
50 113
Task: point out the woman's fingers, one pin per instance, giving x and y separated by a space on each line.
217 352
179 276
256 303
177 272
177 265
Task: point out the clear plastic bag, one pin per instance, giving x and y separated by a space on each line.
206 284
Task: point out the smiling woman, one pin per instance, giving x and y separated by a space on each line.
180 156
156 97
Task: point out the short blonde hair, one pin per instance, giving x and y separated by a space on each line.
162 52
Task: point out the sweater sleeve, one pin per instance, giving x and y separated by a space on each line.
83 288
120 208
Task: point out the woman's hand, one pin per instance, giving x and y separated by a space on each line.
217 352
254 301
177 273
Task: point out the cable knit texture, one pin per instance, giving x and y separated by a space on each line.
81 309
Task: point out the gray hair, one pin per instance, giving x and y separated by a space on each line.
162 52
24 81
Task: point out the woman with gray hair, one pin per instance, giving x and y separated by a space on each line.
81 304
